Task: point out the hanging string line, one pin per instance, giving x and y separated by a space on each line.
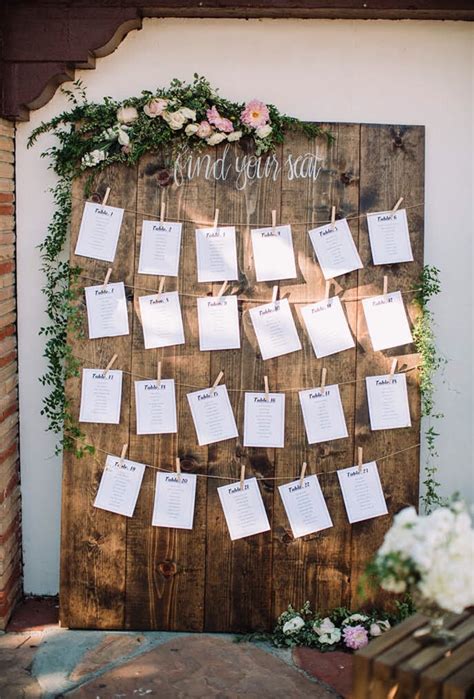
265 224
261 478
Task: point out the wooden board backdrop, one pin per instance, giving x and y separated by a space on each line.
123 573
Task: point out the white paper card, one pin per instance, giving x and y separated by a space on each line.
156 407
327 327
174 500
218 320
362 492
119 486
323 414
159 248
387 321
99 232
161 320
389 237
244 510
305 506
212 415
275 329
388 401
216 251
101 396
264 420
106 310
273 253
335 249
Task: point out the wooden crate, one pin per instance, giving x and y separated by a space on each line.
397 666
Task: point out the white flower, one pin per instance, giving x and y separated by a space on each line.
323 627
355 617
293 625
155 107
187 113
123 137
234 136
191 129
331 637
392 585
375 630
125 115
93 158
216 138
175 120
264 131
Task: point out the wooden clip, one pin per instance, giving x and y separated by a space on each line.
136 306
106 196
333 216
393 367
158 374
219 377
107 276
178 468
162 210
327 289
267 387
162 285
385 285
122 455
110 364
242 476
274 220
397 205
216 218
323 378
302 474
360 458
222 289
274 293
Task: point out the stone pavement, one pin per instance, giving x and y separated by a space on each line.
45 661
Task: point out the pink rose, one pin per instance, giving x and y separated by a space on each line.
221 123
155 107
255 114
204 130
355 637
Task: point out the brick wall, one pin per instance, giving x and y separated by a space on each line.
10 537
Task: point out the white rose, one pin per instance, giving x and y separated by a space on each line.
189 114
375 630
191 129
123 137
234 136
324 627
355 617
331 637
264 131
125 115
216 138
175 120
293 625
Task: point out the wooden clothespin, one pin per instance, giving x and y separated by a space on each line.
327 289
222 289
274 220
302 474
107 277
397 205
267 387
275 293
110 364
162 206
219 377
122 455
178 468
106 196
385 285
323 378
158 373
136 306
216 219
242 476
393 367
360 458
333 216
162 285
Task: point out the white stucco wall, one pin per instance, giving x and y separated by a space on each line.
384 72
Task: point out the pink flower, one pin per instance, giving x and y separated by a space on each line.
155 107
255 114
204 130
355 637
221 123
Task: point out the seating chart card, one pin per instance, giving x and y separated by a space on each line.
387 321
275 329
119 486
174 500
389 237
159 248
335 249
101 396
273 253
305 506
388 401
218 320
107 313
212 415
362 492
323 414
156 407
327 327
161 320
99 232
264 420
244 510
216 251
